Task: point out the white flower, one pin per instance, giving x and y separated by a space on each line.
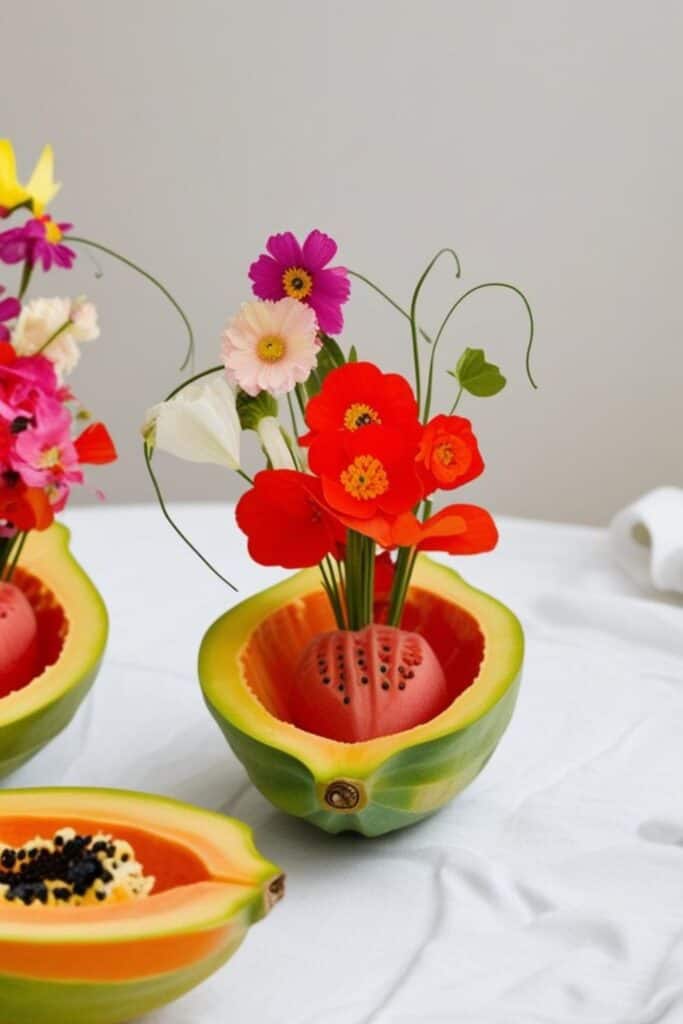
270 346
42 318
84 320
199 424
274 444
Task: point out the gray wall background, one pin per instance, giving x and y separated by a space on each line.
540 138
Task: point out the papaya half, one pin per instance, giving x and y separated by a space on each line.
247 666
72 634
115 903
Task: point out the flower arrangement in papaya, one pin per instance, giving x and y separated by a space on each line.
44 447
354 457
46 441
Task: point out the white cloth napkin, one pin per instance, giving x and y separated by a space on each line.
647 539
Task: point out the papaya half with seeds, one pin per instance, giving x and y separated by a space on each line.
72 634
248 663
161 927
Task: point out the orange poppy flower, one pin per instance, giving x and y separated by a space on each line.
448 455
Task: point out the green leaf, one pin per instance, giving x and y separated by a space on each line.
353 354
251 410
476 375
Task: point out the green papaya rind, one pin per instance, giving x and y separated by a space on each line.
31 717
379 785
28 1001
126 974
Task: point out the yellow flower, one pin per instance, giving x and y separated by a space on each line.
40 189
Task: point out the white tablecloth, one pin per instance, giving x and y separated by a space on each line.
551 891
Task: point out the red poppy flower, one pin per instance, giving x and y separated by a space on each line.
367 472
359 395
95 446
24 508
456 529
286 520
448 455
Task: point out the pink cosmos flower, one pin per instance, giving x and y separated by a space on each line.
9 309
270 346
301 272
38 240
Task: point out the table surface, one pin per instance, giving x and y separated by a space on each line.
549 892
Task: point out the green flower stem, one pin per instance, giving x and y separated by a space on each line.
360 576
292 448
413 311
449 314
455 403
14 554
189 355
405 563
26 272
331 586
55 334
148 452
6 544
292 414
392 302
301 398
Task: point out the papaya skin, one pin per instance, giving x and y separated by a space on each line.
110 963
377 785
72 635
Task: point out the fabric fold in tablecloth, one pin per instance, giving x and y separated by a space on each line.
550 892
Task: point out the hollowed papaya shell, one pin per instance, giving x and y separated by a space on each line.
105 964
72 626
249 654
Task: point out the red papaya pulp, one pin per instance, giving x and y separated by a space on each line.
358 685
19 648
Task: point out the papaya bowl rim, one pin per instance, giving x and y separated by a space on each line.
48 558
231 700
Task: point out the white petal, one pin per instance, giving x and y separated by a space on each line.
274 444
200 424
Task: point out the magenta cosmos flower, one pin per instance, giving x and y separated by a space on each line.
9 309
39 240
290 270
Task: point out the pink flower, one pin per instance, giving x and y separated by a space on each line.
9 309
46 456
270 346
27 383
39 240
301 272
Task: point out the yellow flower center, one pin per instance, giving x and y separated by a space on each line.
360 415
270 348
49 457
52 232
297 283
365 478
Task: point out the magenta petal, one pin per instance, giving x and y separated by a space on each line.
9 308
13 251
266 276
63 256
285 249
333 284
328 312
318 250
